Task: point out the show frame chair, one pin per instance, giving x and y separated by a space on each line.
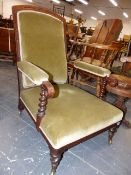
65 115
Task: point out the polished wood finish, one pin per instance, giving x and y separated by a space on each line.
100 55
121 86
47 91
107 31
126 67
111 132
42 105
55 157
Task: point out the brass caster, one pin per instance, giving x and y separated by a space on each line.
109 141
53 172
20 113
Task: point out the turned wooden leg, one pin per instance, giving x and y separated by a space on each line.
103 87
73 75
120 103
98 87
69 70
56 157
20 106
111 132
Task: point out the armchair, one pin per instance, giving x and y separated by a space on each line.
96 65
65 115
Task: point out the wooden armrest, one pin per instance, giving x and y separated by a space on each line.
50 89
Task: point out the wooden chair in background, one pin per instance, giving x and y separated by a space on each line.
120 85
98 59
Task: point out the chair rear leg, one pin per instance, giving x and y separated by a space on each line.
56 157
20 106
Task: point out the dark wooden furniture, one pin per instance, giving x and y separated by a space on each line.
73 115
107 31
82 73
121 86
7 23
126 67
100 57
100 54
7 44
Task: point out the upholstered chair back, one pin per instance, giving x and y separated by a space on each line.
42 43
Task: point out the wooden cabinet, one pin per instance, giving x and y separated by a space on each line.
7 43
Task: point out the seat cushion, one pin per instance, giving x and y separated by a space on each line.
71 115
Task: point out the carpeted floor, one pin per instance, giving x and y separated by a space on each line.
23 150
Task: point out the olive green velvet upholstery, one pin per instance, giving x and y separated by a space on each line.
32 72
72 114
90 68
37 43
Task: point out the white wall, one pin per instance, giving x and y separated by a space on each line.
7 6
1 7
126 29
90 23
7 11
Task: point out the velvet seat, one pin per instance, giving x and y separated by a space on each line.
59 125
64 114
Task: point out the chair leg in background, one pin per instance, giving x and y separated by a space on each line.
111 132
20 106
120 103
98 93
103 87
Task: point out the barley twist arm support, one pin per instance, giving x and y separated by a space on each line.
47 91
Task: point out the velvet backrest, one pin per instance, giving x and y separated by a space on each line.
42 41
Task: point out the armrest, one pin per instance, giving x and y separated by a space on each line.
90 68
125 59
34 73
